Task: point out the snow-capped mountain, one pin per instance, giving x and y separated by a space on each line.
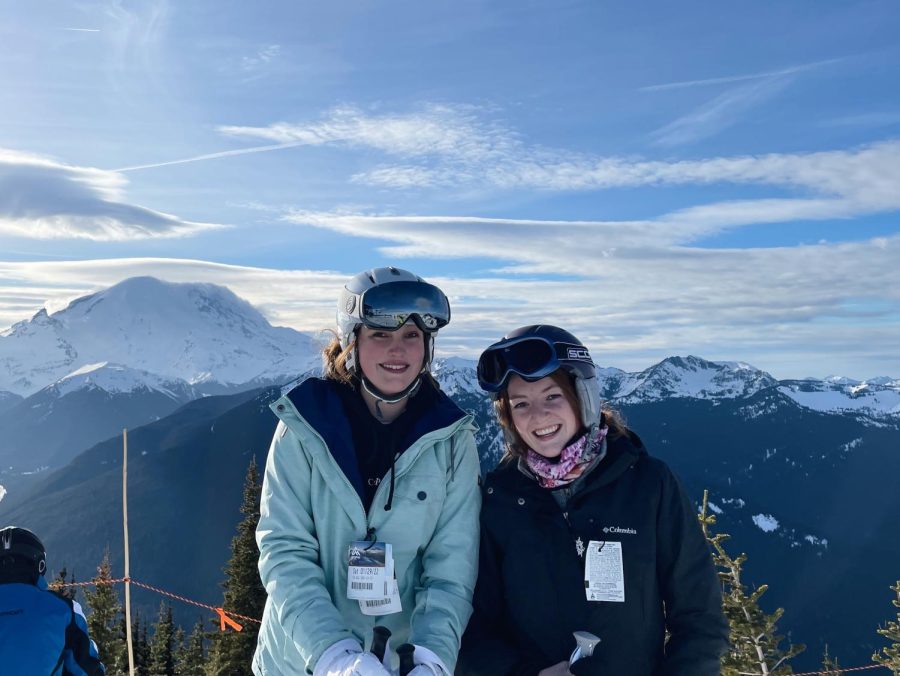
200 333
679 377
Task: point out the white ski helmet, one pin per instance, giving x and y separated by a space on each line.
386 298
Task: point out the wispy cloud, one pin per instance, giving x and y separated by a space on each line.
727 79
718 114
42 198
875 119
456 147
729 107
82 30
449 146
263 56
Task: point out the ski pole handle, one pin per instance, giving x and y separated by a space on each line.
585 642
380 636
405 653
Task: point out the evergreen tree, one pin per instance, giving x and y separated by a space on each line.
178 646
754 639
141 645
162 645
191 659
58 584
231 652
103 617
890 656
830 665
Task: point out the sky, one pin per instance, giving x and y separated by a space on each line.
658 178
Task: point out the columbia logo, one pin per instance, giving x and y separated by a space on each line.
619 531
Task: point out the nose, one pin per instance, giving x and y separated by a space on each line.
541 410
396 344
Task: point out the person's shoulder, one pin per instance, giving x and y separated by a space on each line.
506 476
316 394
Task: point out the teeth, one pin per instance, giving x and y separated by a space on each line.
546 431
393 367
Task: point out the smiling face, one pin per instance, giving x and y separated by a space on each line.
542 414
391 360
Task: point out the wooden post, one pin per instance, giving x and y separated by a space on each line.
127 564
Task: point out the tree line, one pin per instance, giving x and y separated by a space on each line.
164 649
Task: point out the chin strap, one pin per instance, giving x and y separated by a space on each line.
381 397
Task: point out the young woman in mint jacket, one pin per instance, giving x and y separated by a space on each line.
373 458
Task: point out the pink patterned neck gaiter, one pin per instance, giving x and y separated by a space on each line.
572 460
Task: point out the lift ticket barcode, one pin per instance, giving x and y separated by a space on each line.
367 570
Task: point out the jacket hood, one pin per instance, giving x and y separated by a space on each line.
318 401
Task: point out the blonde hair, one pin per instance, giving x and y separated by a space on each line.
334 360
516 448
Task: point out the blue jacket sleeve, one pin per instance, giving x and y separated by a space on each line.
81 657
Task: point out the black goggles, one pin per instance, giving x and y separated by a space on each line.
530 357
390 306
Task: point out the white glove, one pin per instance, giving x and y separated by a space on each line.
427 664
346 658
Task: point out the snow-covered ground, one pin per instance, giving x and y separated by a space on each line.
870 397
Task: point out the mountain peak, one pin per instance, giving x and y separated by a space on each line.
690 377
196 332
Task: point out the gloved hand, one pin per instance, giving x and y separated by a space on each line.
427 664
346 658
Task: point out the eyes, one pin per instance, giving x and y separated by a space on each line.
522 404
406 334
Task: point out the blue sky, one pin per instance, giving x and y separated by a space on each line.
663 178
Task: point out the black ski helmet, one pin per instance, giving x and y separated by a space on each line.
534 352
22 555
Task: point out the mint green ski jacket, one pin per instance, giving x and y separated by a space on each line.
310 513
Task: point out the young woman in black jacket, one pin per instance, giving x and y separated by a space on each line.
582 530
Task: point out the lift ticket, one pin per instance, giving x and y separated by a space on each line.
369 575
604 574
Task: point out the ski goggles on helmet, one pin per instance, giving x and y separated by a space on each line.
390 306
530 357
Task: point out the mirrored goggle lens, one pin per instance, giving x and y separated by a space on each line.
529 358
389 306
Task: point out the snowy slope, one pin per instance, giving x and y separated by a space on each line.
119 379
876 397
200 333
456 375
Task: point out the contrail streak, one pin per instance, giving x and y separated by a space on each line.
737 78
215 156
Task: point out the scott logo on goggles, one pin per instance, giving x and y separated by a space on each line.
575 353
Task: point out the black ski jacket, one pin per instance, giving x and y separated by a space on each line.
530 594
